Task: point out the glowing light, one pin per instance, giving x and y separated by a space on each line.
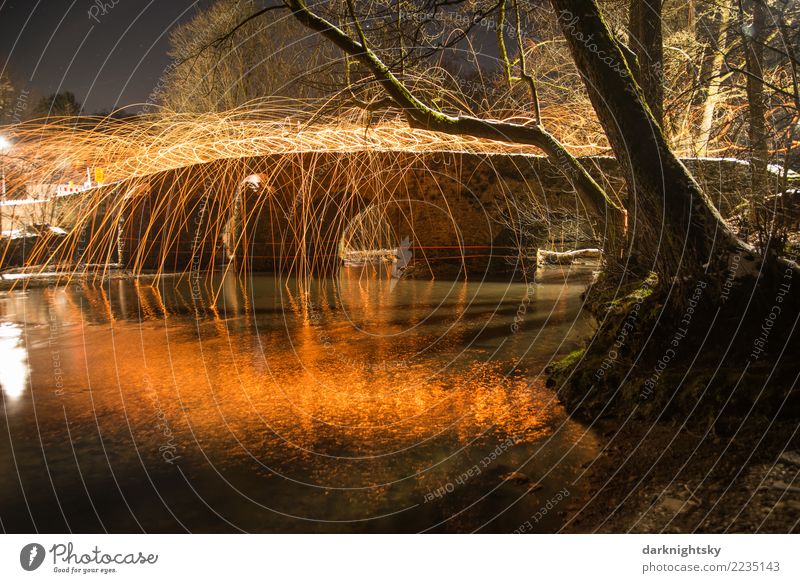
171 160
14 372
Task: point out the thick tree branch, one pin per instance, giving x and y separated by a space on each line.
501 43
421 116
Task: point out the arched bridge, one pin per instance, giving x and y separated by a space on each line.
297 212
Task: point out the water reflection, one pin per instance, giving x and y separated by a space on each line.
13 361
267 405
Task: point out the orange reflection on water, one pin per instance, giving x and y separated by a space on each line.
343 401
330 380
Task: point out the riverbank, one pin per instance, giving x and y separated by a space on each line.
667 478
37 277
696 405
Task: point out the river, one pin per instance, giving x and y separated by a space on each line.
354 404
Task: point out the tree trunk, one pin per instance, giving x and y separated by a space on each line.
672 220
714 94
646 41
753 39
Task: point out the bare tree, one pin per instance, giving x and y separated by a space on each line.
224 58
63 104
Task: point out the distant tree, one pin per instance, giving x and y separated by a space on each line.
223 59
57 105
117 114
6 98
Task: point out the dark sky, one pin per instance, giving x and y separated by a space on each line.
109 61
53 45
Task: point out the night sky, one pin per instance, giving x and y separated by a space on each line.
53 45
109 61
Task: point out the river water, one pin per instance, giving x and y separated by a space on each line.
354 404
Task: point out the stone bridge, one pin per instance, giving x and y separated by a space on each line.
296 212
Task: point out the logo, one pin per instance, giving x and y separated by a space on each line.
31 556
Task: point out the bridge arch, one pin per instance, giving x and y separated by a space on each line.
289 212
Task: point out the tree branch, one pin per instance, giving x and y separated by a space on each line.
421 116
527 77
218 41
